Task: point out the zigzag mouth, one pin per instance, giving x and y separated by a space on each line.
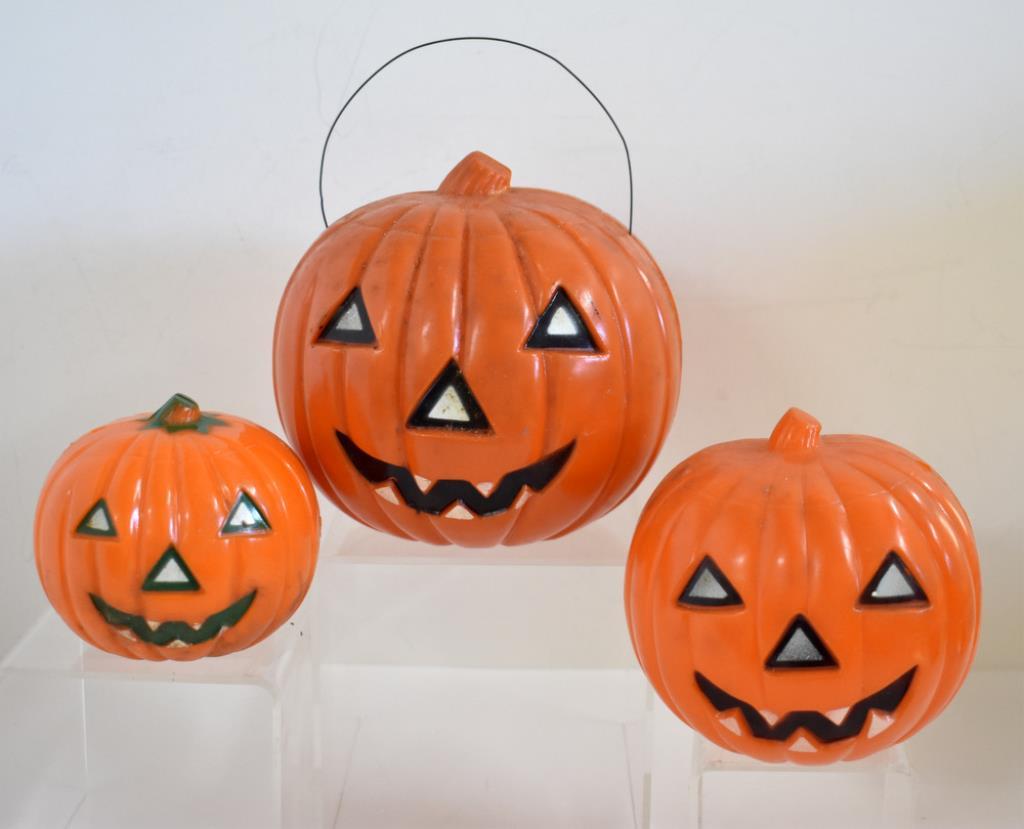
841 725
436 497
174 634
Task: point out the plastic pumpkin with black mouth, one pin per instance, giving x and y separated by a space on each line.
481 364
804 598
177 535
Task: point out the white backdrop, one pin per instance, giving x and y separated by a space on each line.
835 191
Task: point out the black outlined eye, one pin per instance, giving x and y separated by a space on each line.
893 583
708 587
350 324
97 522
245 517
561 326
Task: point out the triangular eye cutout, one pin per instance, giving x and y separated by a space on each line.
449 404
893 583
801 647
97 521
561 326
708 587
170 573
350 324
245 517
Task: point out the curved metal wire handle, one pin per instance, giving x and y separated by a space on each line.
386 64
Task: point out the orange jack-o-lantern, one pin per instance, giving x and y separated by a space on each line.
804 598
477 365
176 536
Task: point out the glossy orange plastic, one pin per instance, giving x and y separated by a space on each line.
176 536
840 610
478 365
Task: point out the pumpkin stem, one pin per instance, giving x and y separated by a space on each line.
181 412
476 175
796 431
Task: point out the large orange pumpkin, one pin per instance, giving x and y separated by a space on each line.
804 598
176 536
477 365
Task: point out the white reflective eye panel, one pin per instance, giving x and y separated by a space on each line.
97 521
893 583
709 587
350 323
561 326
245 517
349 320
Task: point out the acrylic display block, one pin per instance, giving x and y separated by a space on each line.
695 784
106 741
479 687
876 791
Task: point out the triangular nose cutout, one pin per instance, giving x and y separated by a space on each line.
801 647
170 573
449 404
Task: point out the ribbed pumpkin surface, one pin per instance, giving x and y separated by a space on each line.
461 276
802 527
174 487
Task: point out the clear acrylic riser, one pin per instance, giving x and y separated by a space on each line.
727 790
95 740
404 693
479 688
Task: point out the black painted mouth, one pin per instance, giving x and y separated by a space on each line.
168 632
813 721
445 492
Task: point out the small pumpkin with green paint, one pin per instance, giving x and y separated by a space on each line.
176 535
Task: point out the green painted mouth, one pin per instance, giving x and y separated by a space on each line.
167 632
